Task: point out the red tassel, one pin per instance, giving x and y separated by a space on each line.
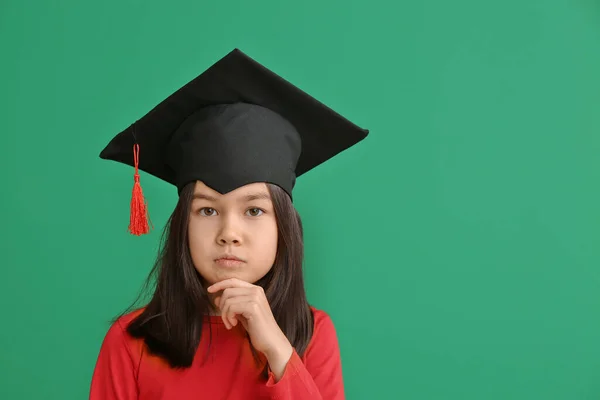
138 218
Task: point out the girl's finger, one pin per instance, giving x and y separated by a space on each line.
246 309
228 283
230 293
229 307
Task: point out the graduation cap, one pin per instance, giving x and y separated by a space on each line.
236 123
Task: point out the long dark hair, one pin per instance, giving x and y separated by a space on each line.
171 322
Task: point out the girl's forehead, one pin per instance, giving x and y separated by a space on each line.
251 191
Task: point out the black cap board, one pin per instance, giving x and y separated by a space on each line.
236 123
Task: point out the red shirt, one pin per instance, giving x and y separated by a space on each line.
126 371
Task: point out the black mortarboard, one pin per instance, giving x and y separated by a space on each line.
235 124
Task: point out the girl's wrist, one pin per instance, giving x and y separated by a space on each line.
278 357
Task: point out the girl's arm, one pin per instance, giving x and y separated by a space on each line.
114 373
319 376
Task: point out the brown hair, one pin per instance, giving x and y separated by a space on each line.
171 322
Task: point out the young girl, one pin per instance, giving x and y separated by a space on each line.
229 317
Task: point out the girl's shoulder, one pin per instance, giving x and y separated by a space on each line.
122 322
126 318
324 338
323 326
117 332
320 316
118 343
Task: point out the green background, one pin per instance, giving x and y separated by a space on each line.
456 248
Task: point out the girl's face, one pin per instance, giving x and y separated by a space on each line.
238 225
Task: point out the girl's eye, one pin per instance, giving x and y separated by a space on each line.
255 212
207 212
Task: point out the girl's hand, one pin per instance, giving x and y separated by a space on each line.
244 302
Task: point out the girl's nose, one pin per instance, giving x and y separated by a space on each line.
229 233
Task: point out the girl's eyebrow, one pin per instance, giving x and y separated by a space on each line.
255 196
246 198
204 197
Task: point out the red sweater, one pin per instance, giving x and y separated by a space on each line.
126 371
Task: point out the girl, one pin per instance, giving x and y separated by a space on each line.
229 317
